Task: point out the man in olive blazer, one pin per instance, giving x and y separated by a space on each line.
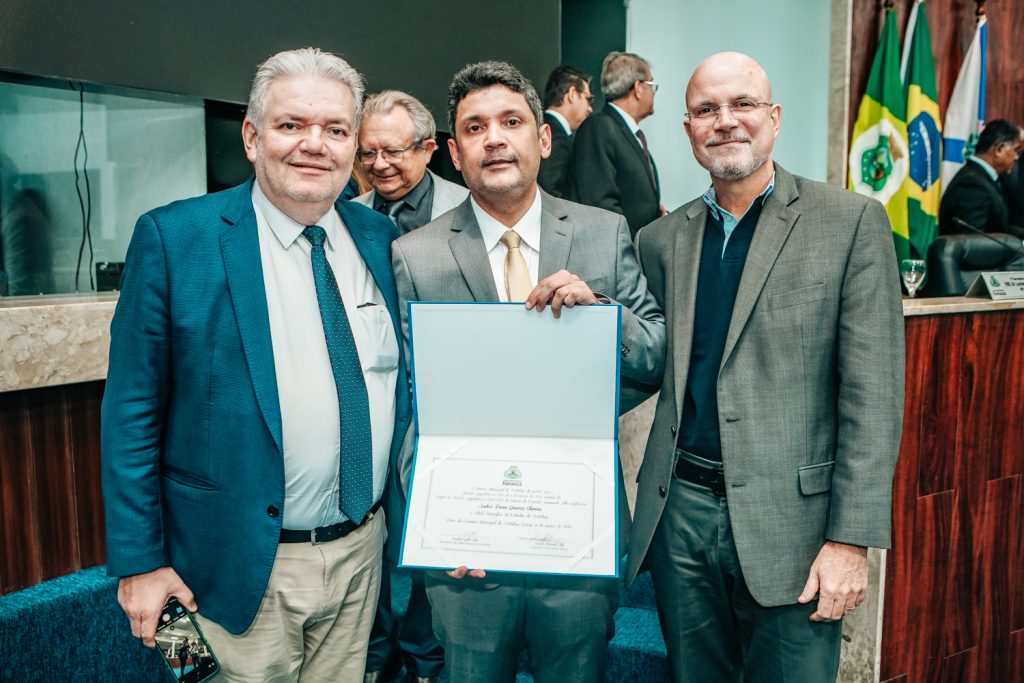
762 487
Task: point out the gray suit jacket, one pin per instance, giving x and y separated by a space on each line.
447 195
445 260
810 390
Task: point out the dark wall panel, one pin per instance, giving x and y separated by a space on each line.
210 49
952 27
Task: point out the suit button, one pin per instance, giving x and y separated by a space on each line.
273 511
672 429
662 490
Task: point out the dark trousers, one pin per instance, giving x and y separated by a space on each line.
714 629
412 639
565 622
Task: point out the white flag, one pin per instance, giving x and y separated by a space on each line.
965 115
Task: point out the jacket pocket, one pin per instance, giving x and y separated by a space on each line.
188 479
796 297
816 478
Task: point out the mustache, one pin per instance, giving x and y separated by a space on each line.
724 138
497 157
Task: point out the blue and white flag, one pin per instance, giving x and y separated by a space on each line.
965 115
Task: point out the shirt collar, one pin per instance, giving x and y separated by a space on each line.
284 228
985 165
528 226
633 125
413 198
711 199
561 119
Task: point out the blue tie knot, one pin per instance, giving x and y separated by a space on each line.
316 236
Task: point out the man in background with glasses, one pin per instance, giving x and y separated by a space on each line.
768 472
396 141
611 165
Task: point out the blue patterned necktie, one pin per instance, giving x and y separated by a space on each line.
356 474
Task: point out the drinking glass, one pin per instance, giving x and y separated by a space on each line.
912 271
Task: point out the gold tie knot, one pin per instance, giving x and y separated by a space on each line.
511 239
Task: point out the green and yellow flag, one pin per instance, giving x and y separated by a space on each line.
924 134
879 158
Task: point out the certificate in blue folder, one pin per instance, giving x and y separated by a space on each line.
516 453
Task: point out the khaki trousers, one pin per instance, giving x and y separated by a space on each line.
315 618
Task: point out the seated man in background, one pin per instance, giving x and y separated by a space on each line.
396 141
254 389
512 242
567 102
974 196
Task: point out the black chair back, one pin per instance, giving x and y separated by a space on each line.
954 261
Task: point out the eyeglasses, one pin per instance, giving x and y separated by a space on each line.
653 84
739 108
369 156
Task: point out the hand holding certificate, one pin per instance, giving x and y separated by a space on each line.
501 480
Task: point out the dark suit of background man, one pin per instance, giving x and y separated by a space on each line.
396 141
254 390
567 102
512 242
974 195
612 166
768 470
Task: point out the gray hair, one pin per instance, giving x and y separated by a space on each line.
386 100
619 71
308 61
473 77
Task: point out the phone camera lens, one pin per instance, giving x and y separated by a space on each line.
166 618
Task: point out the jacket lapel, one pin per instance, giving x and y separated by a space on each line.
467 245
773 228
688 240
373 244
632 141
555 236
240 249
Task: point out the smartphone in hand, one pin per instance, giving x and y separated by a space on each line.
183 646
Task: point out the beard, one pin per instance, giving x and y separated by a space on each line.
729 167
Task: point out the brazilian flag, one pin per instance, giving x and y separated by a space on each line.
924 134
879 158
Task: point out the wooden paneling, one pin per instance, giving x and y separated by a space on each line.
50 499
954 599
952 27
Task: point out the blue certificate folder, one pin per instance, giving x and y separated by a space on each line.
516 453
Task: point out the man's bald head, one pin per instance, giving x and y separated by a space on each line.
730 67
731 119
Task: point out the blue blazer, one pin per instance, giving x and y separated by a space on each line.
193 470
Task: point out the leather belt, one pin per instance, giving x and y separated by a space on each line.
323 534
712 478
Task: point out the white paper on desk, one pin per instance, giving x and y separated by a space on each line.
516 462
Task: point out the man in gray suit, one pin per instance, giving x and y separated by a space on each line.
768 471
396 141
512 242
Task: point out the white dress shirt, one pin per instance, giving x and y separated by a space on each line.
310 419
492 230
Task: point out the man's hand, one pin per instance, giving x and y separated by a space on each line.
463 570
839 576
560 289
142 597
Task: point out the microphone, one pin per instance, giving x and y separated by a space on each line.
1014 249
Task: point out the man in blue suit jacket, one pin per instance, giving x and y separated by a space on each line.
256 395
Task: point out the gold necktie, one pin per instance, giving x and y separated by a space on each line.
517 275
